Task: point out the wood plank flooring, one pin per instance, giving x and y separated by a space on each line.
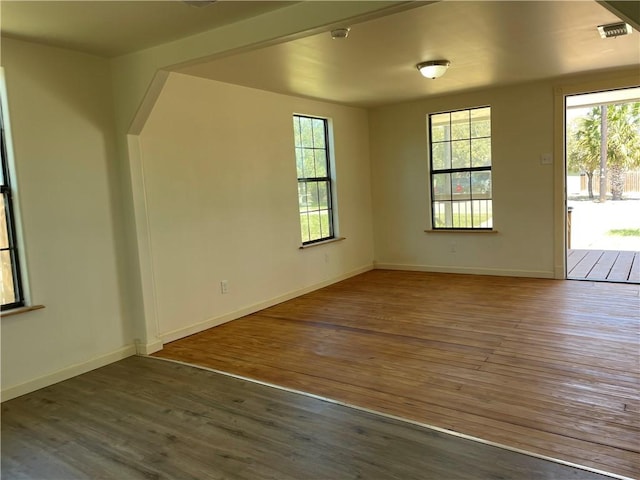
604 265
144 418
546 366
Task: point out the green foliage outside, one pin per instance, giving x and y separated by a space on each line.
462 220
314 184
461 139
623 144
309 138
314 225
625 232
7 291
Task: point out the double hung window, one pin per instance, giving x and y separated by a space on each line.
11 286
460 169
313 165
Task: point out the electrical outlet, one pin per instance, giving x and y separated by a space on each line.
452 247
224 286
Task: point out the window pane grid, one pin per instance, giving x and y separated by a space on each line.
460 169
11 286
314 178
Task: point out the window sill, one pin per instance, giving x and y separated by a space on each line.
332 240
459 230
16 311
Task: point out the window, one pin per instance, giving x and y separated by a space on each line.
11 287
315 201
460 169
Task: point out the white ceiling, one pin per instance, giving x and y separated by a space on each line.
488 43
111 28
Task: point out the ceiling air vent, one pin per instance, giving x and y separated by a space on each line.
614 29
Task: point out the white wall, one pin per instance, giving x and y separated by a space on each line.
221 196
61 116
523 188
137 80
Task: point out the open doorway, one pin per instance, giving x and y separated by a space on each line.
603 185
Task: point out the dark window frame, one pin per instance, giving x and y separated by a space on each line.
452 171
306 181
12 247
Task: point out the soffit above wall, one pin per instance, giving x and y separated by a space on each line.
113 28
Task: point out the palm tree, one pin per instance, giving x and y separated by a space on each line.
583 147
623 144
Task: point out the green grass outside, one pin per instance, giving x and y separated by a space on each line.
464 220
625 232
310 225
314 226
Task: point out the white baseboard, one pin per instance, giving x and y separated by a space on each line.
156 344
67 373
214 322
148 348
466 270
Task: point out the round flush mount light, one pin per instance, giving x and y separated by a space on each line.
433 68
337 33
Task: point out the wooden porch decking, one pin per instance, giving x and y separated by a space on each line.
604 265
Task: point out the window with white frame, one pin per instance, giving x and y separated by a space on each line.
11 286
315 185
460 169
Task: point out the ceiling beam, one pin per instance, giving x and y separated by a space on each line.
624 10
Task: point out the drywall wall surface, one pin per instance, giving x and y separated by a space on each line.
138 77
61 116
221 194
522 132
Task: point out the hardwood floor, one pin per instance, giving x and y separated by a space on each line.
144 418
604 265
546 366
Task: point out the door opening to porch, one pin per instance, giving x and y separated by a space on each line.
602 139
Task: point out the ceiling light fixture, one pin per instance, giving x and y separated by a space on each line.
433 68
614 29
340 32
